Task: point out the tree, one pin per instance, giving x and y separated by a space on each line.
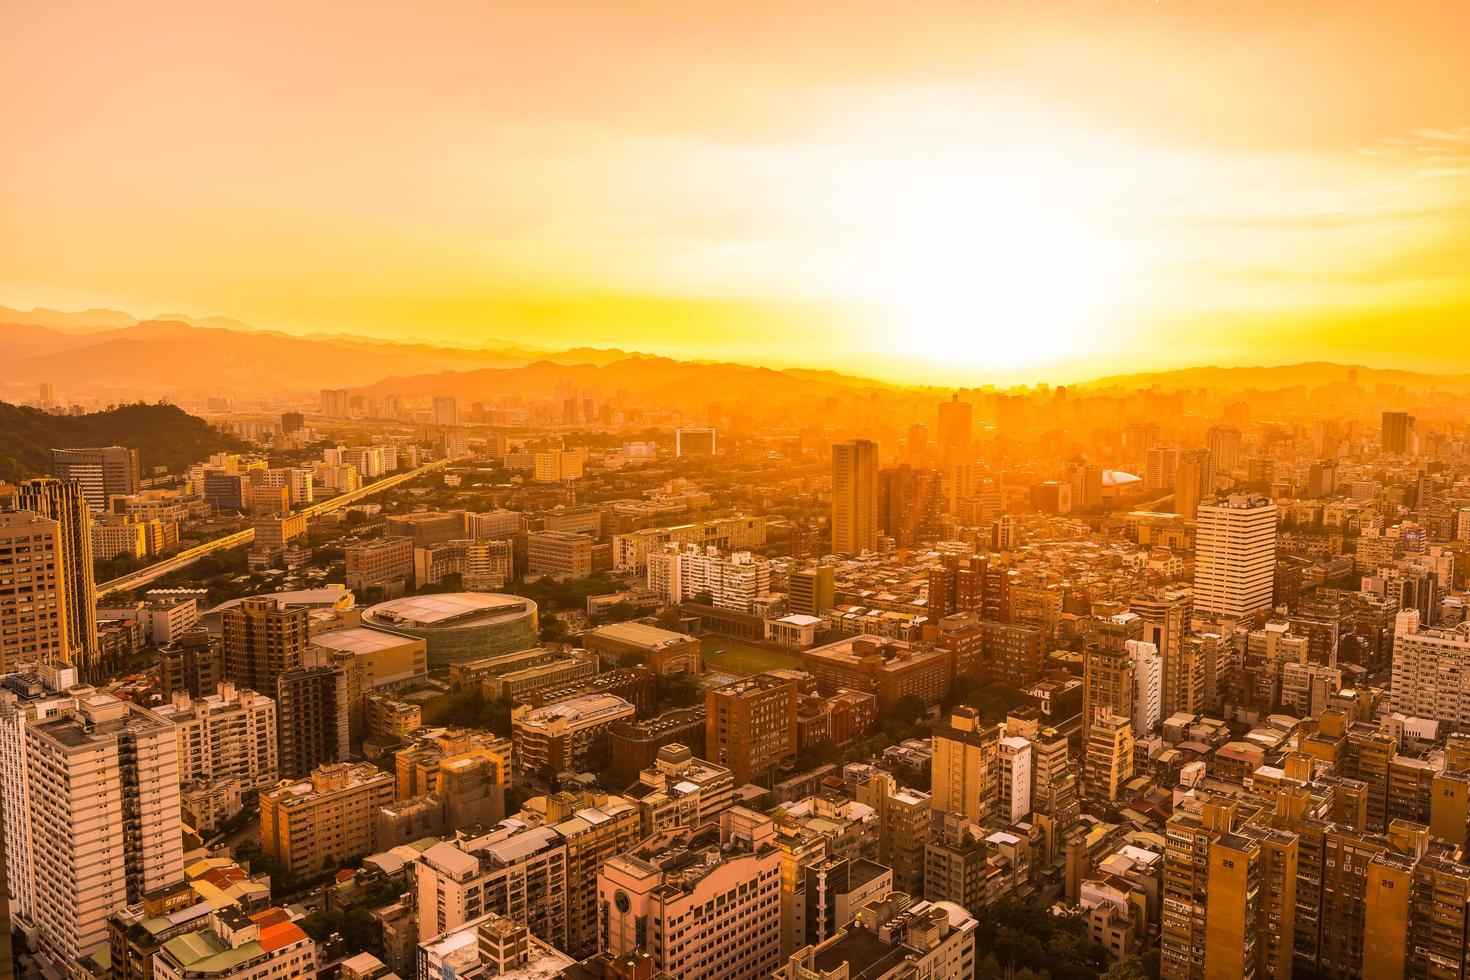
677 691
552 629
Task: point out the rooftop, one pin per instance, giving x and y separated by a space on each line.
448 610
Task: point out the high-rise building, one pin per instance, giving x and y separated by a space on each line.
1397 433
1165 615
336 403
956 422
1148 678
966 766
750 725
904 827
102 472
33 605
102 805
446 410
1108 682
263 638
854 497
1223 442
1109 756
678 574
511 869
703 904
1431 671
593 829
1235 557
227 742
313 710
62 502
909 504
694 441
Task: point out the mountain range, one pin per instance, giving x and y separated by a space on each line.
113 355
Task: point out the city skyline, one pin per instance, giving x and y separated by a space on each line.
950 193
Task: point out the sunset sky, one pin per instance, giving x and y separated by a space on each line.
919 191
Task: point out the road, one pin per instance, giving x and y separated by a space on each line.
189 556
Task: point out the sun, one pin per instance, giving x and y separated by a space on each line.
993 277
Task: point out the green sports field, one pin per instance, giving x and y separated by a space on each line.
735 657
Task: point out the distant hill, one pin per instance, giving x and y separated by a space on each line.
215 355
1311 374
162 434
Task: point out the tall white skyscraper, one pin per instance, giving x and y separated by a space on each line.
1234 556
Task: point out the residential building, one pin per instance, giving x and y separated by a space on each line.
62 502
236 945
966 766
226 737
263 637
559 553
713 914
1235 556
33 619
892 938
312 824
102 473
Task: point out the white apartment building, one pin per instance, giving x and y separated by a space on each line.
229 735
1235 557
679 573
102 802
704 904
1431 671
1148 681
1015 777
516 870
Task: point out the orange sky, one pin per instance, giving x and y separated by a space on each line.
950 191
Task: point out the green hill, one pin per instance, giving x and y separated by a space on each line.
163 435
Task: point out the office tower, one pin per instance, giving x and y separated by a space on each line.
1109 756
263 638
32 608
1322 478
1397 433
335 403
446 410
1148 678
63 503
47 394
102 802
904 827
292 422
103 472
956 421
966 766
1086 481
1235 557
750 725
1431 671
313 709
1193 480
909 504
704 904
854 497
312 824
1003 533
810 591
694 441
1223 442
1161 464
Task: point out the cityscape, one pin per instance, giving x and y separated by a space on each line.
948 491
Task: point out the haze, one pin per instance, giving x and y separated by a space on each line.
920 192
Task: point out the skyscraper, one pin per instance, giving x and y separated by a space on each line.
32 609
102 472
854 497
1235 556
1396 429
1223 442
62 502
956 421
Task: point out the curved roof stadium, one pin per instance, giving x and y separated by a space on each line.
459 626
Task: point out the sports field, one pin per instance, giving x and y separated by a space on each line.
734 657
